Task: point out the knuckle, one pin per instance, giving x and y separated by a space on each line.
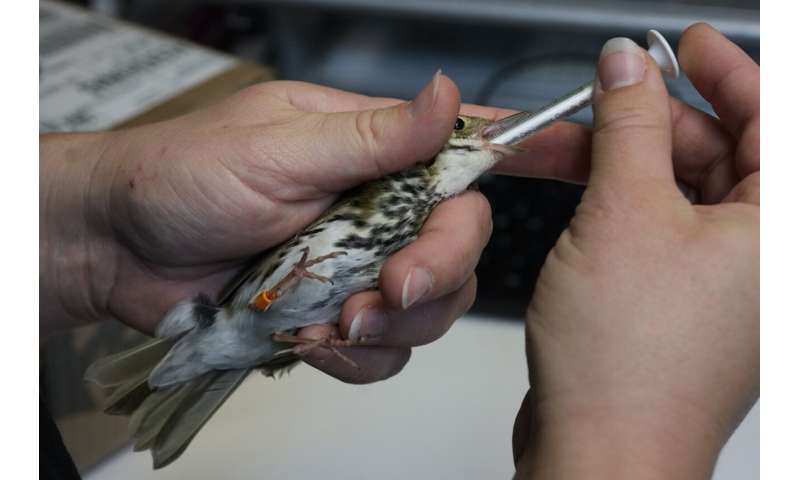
368 133
629 118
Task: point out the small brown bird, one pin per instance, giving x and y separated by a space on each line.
204 349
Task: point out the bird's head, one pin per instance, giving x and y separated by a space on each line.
465 156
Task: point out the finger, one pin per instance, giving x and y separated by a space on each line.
310 97
359 146
482 111
730 82
372 364
443 256
559 152
747 191
703 152
365 318
632 140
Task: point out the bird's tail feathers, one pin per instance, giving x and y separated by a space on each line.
163 420
168 419
126 373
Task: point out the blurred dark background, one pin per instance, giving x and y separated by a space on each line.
511 53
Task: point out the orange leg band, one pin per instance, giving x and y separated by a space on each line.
263 300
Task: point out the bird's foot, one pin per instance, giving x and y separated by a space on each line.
305 345
264 299
300 269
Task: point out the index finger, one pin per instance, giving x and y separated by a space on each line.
723 74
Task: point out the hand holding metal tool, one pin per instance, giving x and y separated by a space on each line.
515 128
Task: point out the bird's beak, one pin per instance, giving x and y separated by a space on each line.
495 130
504 150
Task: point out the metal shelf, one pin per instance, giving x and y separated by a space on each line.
738 20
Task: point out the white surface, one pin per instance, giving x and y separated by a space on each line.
448 415
95 72
740 459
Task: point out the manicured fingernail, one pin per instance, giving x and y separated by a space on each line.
621 64
369 324
426 99
417 284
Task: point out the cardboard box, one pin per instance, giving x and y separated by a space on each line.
98 73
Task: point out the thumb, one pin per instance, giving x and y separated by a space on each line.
632 139
368 144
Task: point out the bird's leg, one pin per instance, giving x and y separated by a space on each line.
305 345
263 299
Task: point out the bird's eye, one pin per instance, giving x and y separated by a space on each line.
459 124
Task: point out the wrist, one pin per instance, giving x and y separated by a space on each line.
646 440
76 248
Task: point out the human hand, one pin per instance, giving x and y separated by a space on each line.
643 331
176 208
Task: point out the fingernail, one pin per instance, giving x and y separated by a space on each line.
369 324
621 64
417 284
427 97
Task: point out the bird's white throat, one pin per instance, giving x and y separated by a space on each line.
460 163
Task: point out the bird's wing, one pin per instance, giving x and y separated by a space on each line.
353 203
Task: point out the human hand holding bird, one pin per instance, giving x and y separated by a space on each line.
179 208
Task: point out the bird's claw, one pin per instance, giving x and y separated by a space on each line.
264 298
305 345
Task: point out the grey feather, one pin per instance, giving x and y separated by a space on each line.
128 396
150 405
180 364
149 420
117 369
209 392
279 366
